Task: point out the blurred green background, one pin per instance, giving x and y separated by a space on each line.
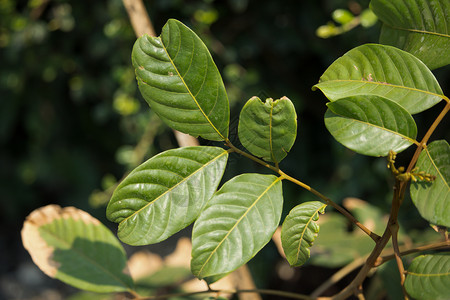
72 122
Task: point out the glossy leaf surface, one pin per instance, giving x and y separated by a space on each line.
166 193
179 80
236 223
370 125
383 71
70 245
268 130
421 27
432 199
299 231
428 277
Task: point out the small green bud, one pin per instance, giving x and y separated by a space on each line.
326 31
342 16
368 18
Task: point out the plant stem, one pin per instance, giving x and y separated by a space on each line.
336 277
428 134
325 199
401 269
375 237
399 194
435 246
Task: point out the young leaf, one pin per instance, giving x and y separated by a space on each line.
428 277
179 80
432 199
420 27
299 231
370 125
384 71
166 193
268 130
236 223
70 245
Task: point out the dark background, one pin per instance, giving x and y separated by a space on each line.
71 115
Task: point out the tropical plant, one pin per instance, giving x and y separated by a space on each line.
374 91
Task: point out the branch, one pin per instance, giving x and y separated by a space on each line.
399 194
325 199
143 25
139 17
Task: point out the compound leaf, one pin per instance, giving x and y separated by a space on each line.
299 231
370 125
268 130
420 27
166 193
236 223
428 277
385 71
432 199
70 245
179 80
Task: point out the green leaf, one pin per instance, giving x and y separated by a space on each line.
432 199
166 193
420 27
179 80
384 71
299 231
70 245
370 125
268 130
236 223
428 277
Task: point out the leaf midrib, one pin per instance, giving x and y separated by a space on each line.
385 84
187 87
418 31
306 227
412 141
173 187
236 224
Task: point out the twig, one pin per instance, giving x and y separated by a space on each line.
325 199
435 246
139 17
401 269
336 277
399 193
142 24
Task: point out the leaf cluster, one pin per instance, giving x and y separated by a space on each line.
374 92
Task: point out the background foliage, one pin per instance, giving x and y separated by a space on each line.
71 115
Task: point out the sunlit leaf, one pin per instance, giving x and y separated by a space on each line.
70 245
421 27
428 277
370 125
236 223
383 71
166 193
299 231
268 130
432 199
179 80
